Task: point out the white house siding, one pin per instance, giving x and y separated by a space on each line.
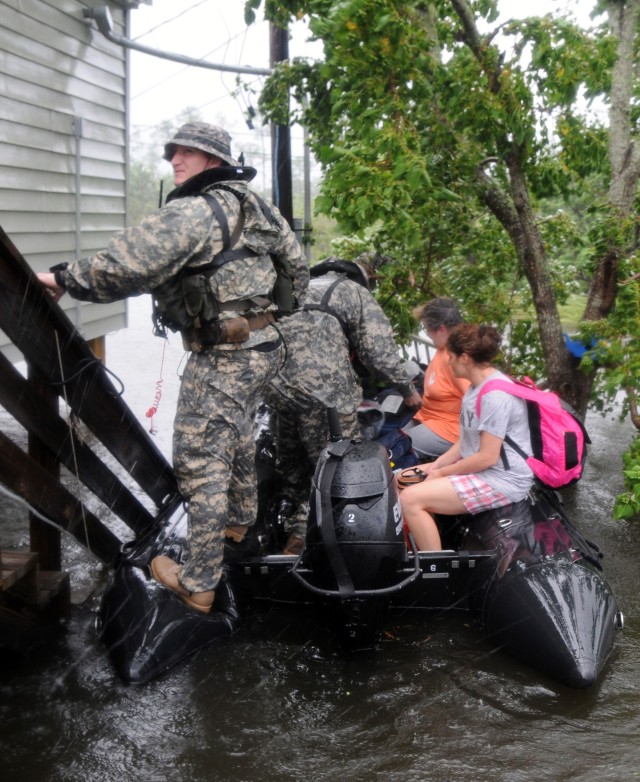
63 140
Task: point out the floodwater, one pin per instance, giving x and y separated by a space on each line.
278 702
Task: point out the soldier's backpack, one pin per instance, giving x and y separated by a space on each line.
187 298
558 437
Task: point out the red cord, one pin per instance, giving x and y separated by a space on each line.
158 396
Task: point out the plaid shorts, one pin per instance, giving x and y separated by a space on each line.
476 495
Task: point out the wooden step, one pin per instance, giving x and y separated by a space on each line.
21 579
15 565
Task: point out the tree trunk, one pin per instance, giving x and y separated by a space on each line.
515 213
623 155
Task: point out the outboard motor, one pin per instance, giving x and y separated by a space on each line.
355 549
355 540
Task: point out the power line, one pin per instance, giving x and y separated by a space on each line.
223 46
172 19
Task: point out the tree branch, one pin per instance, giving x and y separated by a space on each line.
633 406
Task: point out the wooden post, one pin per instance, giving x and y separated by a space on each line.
45 539
99 347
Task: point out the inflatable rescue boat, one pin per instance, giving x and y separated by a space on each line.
535 583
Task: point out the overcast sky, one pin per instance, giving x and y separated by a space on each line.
214 30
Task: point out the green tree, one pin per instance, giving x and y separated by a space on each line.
144 185
440 133
439 136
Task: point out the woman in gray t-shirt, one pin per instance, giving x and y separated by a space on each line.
481 470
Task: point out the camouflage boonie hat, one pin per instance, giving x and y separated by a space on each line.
211 139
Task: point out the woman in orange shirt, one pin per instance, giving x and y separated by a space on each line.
436 425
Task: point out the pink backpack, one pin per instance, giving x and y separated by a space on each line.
558 438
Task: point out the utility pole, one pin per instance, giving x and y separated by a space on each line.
280 134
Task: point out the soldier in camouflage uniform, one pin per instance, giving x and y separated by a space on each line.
340 318
212 257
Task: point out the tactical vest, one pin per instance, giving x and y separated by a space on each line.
186 303
324 306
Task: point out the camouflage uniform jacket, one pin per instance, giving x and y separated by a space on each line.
186 233
318 363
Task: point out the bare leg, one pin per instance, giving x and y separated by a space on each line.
419 502
424 530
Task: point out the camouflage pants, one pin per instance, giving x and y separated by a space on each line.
302 434
214 452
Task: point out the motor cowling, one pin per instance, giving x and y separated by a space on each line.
355 538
